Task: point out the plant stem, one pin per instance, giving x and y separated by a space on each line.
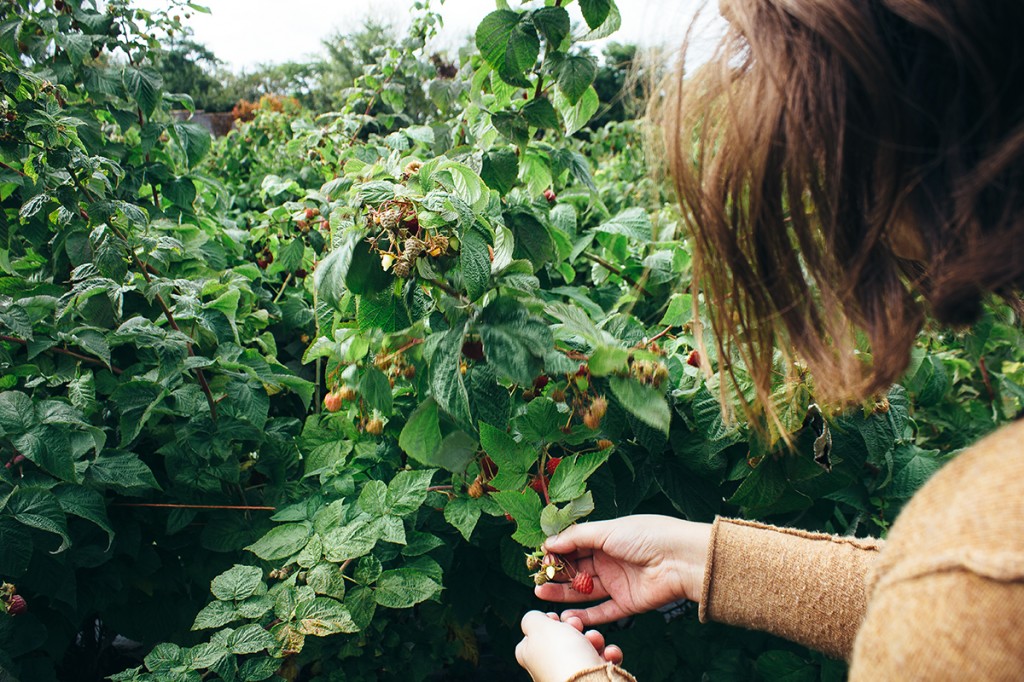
65 351
616 270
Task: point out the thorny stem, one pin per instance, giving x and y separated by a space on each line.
200 375
988 381
402 349
65 351
448 289
11 168
616 270
660 334
287 279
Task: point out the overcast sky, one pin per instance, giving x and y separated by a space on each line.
245 33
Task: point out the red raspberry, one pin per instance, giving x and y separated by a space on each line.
17 605
508 517
550 195
540 382
583 583
694 359
539 486
553 463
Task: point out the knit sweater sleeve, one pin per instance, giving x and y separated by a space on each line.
806 587
602 673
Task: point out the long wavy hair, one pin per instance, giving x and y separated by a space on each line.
846 166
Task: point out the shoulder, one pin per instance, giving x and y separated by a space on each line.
969 516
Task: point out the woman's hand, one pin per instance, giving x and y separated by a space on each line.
638 563
553 651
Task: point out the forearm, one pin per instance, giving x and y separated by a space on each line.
806 587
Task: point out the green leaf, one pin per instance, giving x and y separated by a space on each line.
554 520
475 261
351 541
532 239
633 223
514 341
372 498
376 391
237 583
367 570
408 490
38 508
144 86
17 415
508 42
500 169
570 478
194 140
324 616
553 24
595 11
86 504
513 459
402 588
542 422
446 382
281 542
578 115
575 74
540 113
607 359
646 403
524 507
250 639
216 614
164 656
912 467
463 513
122 472
365 274
421 434
385 311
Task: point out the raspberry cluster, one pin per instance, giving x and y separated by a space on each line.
547 567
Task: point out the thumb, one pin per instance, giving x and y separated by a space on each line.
580 536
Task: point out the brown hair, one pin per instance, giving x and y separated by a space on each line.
838 161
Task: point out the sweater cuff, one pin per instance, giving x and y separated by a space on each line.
806 587
608 672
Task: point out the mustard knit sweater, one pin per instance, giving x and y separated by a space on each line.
941 599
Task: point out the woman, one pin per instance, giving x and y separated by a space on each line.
847 165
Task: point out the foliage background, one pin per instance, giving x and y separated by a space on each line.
174 311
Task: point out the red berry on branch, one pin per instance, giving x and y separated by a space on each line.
583 583
539 484
508 517
552 464
310 212
693 360
550 196
540 382
17 605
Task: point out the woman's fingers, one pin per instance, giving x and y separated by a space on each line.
594 637
605 612
582 537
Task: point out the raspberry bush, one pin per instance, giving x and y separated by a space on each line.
294 404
